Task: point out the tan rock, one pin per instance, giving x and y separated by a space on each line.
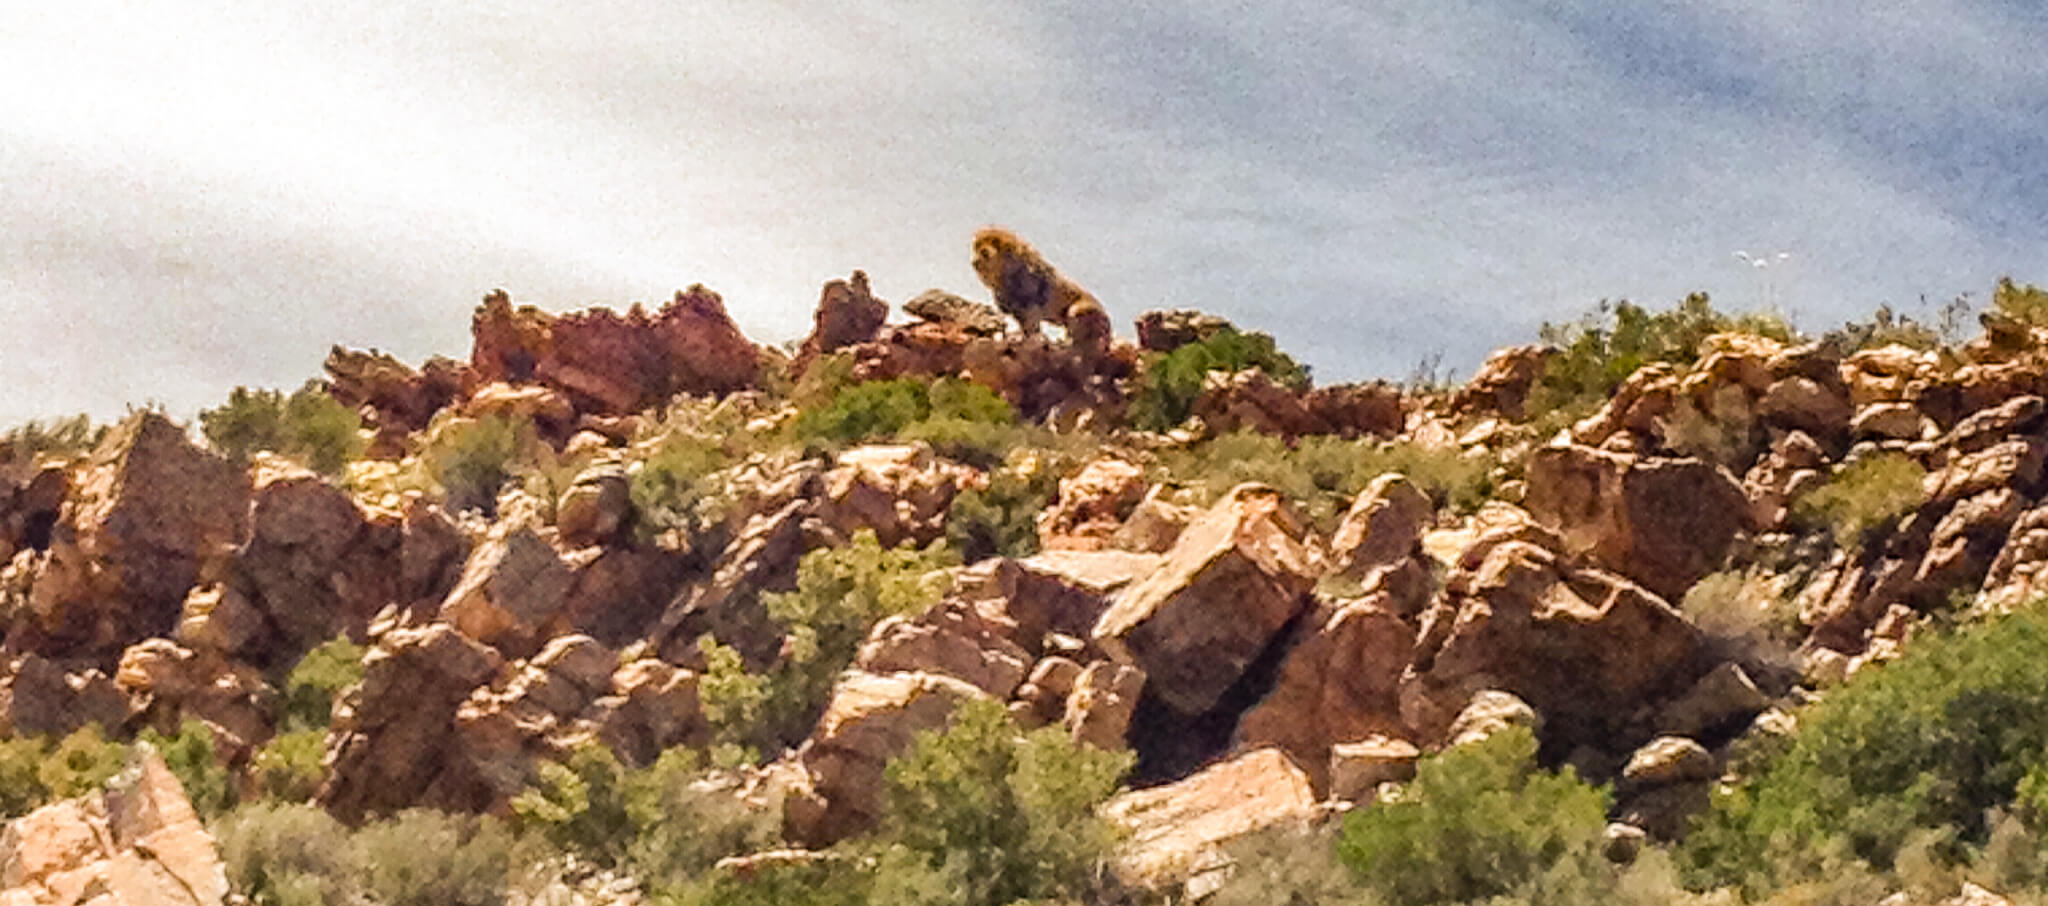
941 307
1234 579
870 719
137 844
1105 697
1667 760
658 707
596 507
1340 682
1091 505
952 638
899 491
1358 768
1383 526
1808 405
1889 421
512 586
1504 380
392 744
1663 523
1176 833
1488 712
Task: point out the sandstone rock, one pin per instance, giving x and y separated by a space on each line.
899 491
1251 400
2020 571
1166 331
1889 421
1340 682
169 685
37 697
870 719
1383 526
615 596
1046 690
612 363
313 567
953 639
1582 646
1804 404
31 499
393 744
512 587
1153 526
2015 464
1663 523
1358 768
762 559
1503 382
1065 591
1621 843
1488 712
137 844
1722 697
848 313
1234 579
2015 417
1885 374
431 555
1105 697
147 510
1176 833
393 394
941 307
596 507
1666 812
1667 760
657 708
1368 409
1091 505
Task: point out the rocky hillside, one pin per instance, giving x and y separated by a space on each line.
933 607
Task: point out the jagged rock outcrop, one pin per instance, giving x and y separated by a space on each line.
940 307
390 394
1251 401
513 586
1231 583
615 364
146 513
871 719
138 843
1663 523
848 313
1166 331
901 492
393 744
31 498
1503 382
1585 647
1091 505
167 684
1340 683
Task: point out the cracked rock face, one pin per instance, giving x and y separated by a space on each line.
138 843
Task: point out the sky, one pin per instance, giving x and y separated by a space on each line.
201 194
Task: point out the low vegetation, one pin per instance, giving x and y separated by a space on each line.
1865 495
472 459
307 426
1171 382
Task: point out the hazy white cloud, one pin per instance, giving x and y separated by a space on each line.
210 194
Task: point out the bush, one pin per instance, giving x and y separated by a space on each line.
320 677
290 766
1864 495
660 823
1931 742
1169 384
840 594
60 438
1323 475
296 855
37 770
2025 303
1479 820
995 815
472 459
308 426
673 486
883 410
1000 518
191 757
1599 351
287 855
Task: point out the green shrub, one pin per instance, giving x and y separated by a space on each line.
1000 517
833 882
308 426
38 770
1169 384
1864 495
884 410
1930 742
290 766
320 677
280 854
673 487
60 437
1599 351
2025 303
1322 475
472 459
995 815
296 855
840 593
658 823
1479 820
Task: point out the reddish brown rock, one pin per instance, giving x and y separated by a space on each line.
1664 523
1383 527
1175 835
848 313
726 606
901 492
1340 682
37 697
393 744
1104 699
596 508
654 706
1166 331
1234 579
1582 646
390 393
612 363
871 719
2020 571
138 843
1358 768
953 638
513 587
1372 409
1503 382
1091 505
941 307
167 685
147 511
31 498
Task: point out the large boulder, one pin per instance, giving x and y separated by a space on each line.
871 719
848 313
1583 646
901 492
138 843
39 698
391 394
167 685
1340 683
1664 523
1232 582
1091 505
147 511
1176 834
392 744
513 586
1503 382
1383 527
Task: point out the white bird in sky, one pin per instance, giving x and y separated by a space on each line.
1762 261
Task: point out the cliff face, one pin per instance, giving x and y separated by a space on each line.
1641 585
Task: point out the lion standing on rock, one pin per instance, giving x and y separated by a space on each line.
1027 288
